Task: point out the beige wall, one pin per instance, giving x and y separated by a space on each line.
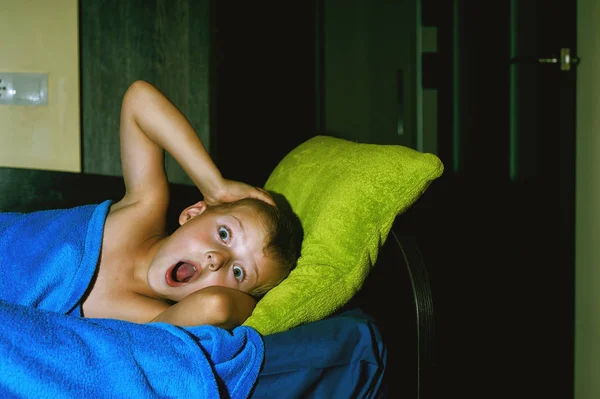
587 207
41 36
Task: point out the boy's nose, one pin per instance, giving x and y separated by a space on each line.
215 260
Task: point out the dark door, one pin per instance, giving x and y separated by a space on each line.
263 101
498 228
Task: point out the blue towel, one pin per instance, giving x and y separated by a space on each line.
48 258
45 354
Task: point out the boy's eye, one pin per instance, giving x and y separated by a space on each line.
224 233
238 273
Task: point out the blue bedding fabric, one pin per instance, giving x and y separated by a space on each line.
44 354
342 356
47 260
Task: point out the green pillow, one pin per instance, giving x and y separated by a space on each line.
347 196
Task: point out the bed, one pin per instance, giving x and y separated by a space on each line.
379 344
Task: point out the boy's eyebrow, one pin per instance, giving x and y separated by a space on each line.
256 275
254 266
239 223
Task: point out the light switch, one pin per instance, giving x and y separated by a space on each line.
22 88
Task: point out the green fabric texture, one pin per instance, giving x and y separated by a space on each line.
346 195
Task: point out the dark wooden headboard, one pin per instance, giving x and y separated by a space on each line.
25 190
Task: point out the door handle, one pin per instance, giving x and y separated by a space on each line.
565 60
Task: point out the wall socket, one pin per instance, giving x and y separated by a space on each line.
20 88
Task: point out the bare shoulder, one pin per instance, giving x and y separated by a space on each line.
135 221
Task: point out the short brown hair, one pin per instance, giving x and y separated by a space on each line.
284 236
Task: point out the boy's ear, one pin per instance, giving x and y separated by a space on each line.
192 211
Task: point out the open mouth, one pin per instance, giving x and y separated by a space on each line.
180 273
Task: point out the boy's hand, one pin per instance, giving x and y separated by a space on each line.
231 191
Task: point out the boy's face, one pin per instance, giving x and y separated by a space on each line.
214 246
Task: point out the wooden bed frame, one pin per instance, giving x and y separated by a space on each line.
397 293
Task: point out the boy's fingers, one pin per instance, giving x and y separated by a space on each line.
266 196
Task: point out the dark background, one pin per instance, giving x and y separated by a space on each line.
496 230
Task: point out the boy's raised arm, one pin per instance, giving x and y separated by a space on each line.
150 123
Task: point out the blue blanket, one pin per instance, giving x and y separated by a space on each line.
47 260
44 354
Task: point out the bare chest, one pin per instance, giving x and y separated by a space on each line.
112 292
